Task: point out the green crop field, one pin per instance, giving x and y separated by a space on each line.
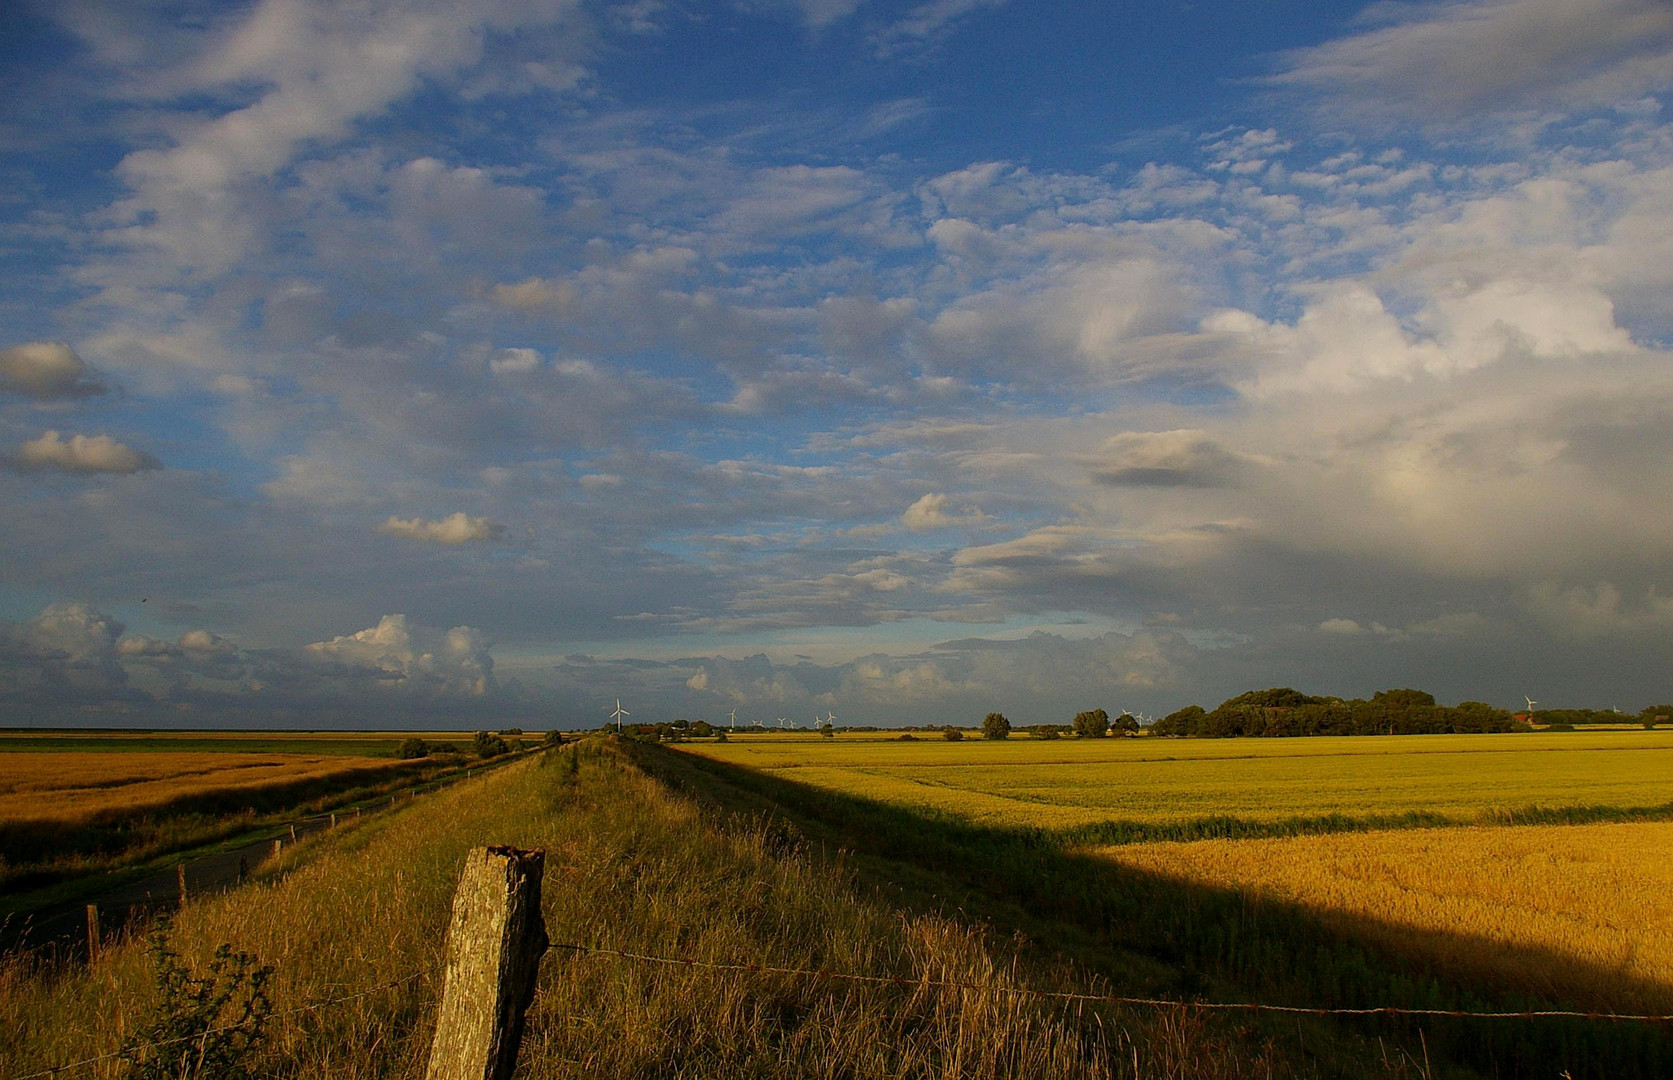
1065 783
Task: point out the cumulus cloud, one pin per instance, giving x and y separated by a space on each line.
395 652
457 528
72 644
46 371
81 454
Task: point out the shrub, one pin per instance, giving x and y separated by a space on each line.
995 726
554 737
952 734
1126 723
1046 731
413 748
488 746
205 1026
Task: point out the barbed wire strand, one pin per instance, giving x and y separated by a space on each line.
313 1006
907 982
1110 999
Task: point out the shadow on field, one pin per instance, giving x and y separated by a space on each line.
1151 935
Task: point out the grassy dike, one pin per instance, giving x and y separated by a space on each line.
632 864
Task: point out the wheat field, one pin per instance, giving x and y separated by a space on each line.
1066 783
72 786
1570 910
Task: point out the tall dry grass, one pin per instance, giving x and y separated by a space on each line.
631 866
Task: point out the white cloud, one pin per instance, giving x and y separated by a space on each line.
406 656
46 370
1457 60
456 528
1340 626
937 511
82 454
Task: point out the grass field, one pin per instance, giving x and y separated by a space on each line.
1065 783
1574 910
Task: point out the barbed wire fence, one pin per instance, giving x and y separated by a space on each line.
908 982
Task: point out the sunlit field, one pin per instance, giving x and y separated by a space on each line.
78 785
1575 909
1065 783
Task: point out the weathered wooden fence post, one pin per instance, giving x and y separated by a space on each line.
494 946
180 872
94 940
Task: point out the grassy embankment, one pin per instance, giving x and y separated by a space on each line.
634 865
73 805
1222 938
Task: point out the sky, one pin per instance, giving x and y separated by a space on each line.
414 363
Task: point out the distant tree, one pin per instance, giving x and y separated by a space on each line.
1092 724
1126 724
554 737
827 732
488 746
996 726
1655 714
413 748
1045 731
908 737
720 736
1179 722
702 729
952 734
511 731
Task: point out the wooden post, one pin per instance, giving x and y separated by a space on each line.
333 819
278 846
180 872
293 834
93 938
494 946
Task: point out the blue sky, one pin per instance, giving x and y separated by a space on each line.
398 362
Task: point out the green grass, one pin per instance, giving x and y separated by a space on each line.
1169 784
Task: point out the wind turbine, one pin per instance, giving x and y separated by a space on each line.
781 722
830 719
619 713
734 719
1531 703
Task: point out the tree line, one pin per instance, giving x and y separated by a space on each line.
1282 711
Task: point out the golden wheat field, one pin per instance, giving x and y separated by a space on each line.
1571 909
1069 782
77 785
